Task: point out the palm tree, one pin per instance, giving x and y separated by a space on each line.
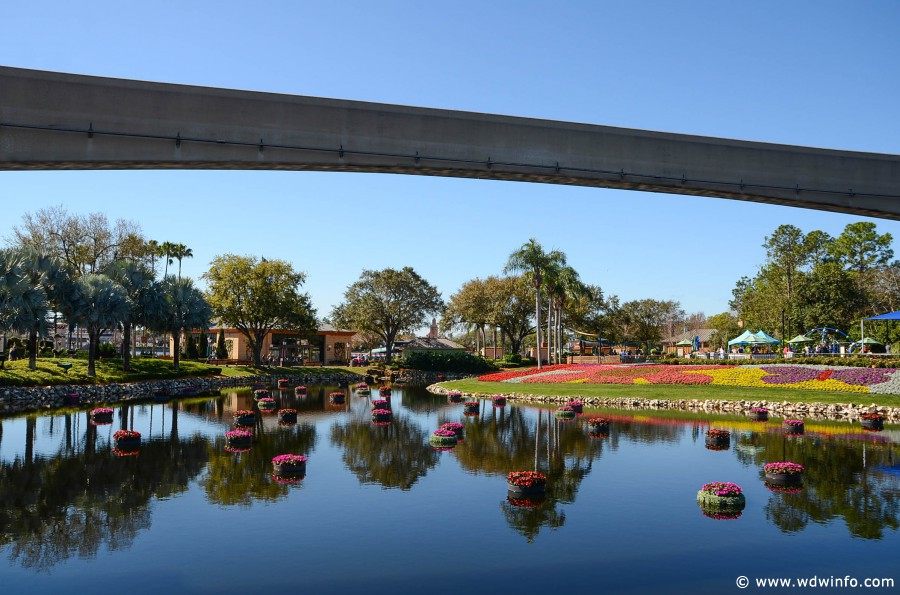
532 259
104 307
152 250
167 250
568 287
185 307
144 299
182 252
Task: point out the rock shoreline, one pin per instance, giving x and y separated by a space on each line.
24 399
835 411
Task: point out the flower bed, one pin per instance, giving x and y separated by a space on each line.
455 427
127 440
443 439
300 391
101 415
284 383
783 473
381 404
260 393
721 495
716 439
792 426
288 416
576 405
266 403
498 401
471 407
565 412
759 414
815 377
244 417
384 391
872 421
290 465
454 396
526 482
238 438
382 415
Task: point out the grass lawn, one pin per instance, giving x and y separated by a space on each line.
108 371
671 392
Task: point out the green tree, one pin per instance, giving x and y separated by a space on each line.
646 318
535 262
258 296
726 327
469 307
387 303
786 253
860 248
567 288
827 296
203 343
512 309
184 307
180 252
221 349
144 300
104 305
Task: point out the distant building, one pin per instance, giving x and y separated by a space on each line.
683 343
431 344
326 345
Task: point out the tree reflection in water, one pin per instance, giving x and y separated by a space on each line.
72 503
394 455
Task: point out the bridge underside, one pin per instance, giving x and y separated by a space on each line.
53 121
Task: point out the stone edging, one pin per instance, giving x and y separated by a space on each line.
21 399
837 411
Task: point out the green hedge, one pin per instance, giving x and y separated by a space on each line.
453 361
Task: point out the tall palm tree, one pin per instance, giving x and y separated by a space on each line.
185 307
568 287
104 307
152 251
182 252
532 259
167 250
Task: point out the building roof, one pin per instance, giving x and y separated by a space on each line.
705 335
432 343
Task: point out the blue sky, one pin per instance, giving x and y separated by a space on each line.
815 73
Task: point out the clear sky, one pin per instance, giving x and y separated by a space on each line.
818 73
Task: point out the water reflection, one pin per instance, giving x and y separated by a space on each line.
63 494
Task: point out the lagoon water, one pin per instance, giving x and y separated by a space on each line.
381 511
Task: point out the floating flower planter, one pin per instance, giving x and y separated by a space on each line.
598 427
266 404
784 473
526 483
471 407
127 440
872 421
72 400
498 401
565 413
532 501
454 396
576 405
443 439
244 417
289 465
718 439
287 416
381 415
792 426
337 398
381 404
284 383
101 415
759 414
239 438
384 391
721 496
300 391
455 427
260 393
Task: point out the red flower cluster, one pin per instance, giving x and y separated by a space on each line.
243 412
526 479
871 416
718 434
125 434
502 376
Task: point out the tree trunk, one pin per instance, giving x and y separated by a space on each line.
495 343
93 339
176 351
32 347
549 333
537 326
126 348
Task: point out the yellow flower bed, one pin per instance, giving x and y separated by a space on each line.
641 381
742 376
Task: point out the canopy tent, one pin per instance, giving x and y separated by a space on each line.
802 339
743 339
888 316
765 337
867 341
684 343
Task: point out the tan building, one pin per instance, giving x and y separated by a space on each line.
324 346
